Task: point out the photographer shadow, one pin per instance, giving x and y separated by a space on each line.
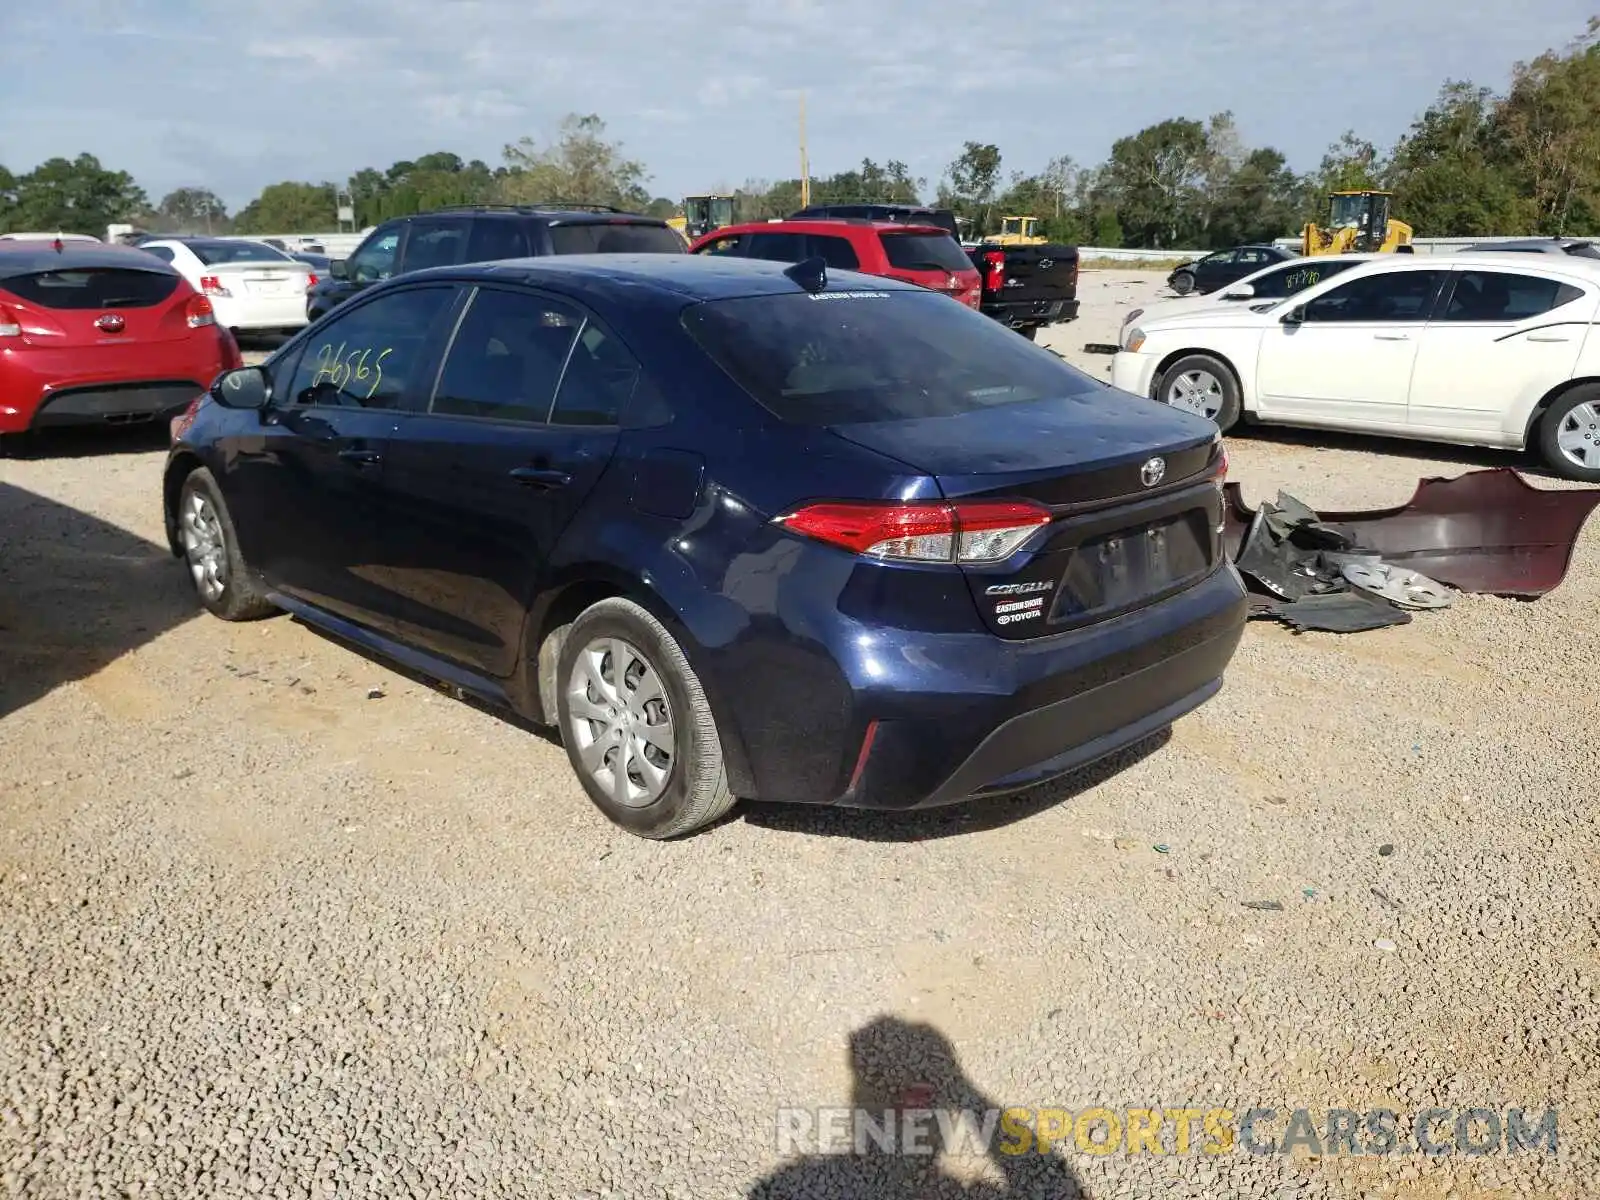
902 1067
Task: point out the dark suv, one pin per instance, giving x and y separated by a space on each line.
448 237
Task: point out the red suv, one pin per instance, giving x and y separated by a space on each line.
922 254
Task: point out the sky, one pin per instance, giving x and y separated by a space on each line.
235 94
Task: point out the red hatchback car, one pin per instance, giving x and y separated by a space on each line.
922 254
97 334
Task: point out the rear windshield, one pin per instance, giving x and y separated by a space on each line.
217 253
1583 250
843 357
925 252
94 287
608 238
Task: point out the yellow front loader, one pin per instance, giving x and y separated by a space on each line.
1358 223
1017 231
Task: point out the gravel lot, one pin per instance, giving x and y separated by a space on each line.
266 931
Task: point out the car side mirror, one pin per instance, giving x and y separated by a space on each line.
338 269
242 387
1295 316
1240 291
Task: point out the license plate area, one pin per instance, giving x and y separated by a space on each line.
1139 564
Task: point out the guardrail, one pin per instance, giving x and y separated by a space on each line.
1137 256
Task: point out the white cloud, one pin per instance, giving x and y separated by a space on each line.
240 93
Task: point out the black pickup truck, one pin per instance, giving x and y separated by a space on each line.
1024 287
1027 287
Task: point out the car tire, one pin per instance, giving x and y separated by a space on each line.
1569 434
1182 283
661 792
226 585
1208 384
1031 332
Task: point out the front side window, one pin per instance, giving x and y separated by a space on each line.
368 357
507 358
1221 259
1504 297
733 245
1390 296
1286 281
375 260
848 356
435 244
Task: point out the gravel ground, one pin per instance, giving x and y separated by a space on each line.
276 920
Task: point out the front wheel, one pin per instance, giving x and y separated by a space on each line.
1569 434
1182 283
225 584
1204 386
636 725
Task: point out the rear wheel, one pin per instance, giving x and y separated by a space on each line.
225 584
1183 283
636 725
1203 385
1031 332
1569 434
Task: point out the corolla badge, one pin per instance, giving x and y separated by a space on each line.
1153 471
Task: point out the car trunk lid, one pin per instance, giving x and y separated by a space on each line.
1135 506
257 280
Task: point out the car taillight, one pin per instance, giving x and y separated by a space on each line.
994 263
9 325
212 286
311 282
981 531
200 312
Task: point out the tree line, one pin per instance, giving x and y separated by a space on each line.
1476 162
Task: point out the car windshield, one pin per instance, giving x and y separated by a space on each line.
214 254
925 252
614 237
843 357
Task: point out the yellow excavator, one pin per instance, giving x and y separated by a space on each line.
702 214
1017 231
1358 223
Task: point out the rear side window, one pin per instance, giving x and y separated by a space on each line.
837 252
778 247
1502 296
93 287
842 357
215 254
925 252
600 379
608 237
495 238
507 358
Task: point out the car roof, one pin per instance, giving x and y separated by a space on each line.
618 277
30 257
828 225
577 215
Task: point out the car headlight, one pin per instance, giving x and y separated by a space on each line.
1134 340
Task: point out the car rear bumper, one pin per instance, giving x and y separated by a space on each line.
919 719
261 312
40 388
1019 314
1133 372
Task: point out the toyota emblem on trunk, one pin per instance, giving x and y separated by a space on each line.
110 323
1152 472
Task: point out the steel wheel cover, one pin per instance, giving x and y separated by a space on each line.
620 722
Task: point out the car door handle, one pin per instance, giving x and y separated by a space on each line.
1548 337
1392 337
360 458
534 477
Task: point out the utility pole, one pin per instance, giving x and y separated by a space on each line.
805 167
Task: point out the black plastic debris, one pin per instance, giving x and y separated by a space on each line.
1336 612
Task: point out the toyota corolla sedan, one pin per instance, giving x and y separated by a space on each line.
735 528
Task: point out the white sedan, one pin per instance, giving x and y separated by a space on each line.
1459 349
253 288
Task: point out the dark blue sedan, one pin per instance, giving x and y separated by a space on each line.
737 529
